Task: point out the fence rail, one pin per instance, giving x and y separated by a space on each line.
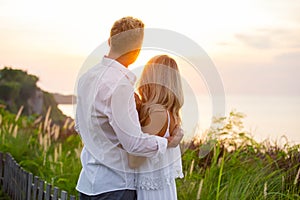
19 184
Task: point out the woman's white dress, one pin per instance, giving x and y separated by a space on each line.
155 178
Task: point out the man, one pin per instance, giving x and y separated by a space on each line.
107 120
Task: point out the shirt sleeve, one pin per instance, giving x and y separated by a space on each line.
125 122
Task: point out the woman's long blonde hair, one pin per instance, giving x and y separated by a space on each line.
160 84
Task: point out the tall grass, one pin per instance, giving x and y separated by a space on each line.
226 164
45 149
229 164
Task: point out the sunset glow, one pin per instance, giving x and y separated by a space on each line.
55 37
254 44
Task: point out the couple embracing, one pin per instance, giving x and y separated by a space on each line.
131 139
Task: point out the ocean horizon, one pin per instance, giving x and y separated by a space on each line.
266 117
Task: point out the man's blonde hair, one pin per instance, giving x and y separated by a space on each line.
126 35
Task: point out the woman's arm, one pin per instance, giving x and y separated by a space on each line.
156 124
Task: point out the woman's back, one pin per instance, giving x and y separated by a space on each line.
155 178
161 95
158 121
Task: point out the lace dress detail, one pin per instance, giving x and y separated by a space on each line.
156 178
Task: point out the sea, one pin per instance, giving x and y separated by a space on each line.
273 118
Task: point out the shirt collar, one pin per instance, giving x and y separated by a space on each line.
115 64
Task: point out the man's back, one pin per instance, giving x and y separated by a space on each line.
108 124
101 156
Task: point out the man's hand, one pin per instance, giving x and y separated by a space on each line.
176 137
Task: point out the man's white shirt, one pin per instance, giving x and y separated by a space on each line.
107 120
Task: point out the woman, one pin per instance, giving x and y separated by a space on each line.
161 98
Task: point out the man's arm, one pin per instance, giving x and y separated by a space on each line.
125 122
156 124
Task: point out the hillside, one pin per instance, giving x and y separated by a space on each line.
18 88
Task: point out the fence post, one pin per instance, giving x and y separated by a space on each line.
48 192
72 197
8 179
20 184
18 181
1 168
55 193
35 187
11 177
14 172
5 174
24 178
64 195
29 185
41 190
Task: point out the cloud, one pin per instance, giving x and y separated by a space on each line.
256 41
224 43
274 79
289 58
276 76
268 38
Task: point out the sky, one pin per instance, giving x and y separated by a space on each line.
255 44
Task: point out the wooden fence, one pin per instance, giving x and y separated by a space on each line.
20 184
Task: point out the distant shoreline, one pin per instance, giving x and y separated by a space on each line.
64 99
